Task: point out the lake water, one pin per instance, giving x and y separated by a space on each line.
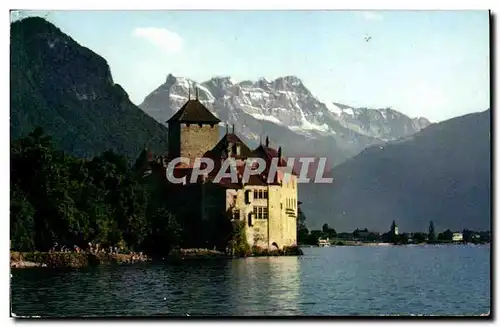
439 280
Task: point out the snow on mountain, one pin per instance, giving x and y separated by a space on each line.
333 108
385 123
286 110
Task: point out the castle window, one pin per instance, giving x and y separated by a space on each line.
255 194
238 150
260 212
236 214
247 196
265 194
260 194
250 220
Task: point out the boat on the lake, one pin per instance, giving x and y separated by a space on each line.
324 243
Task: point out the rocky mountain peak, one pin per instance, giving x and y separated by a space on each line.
285 108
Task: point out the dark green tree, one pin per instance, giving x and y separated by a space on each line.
419 237
448 235
432 233
302 231
467 235
393 227
21 222
332 233
393 238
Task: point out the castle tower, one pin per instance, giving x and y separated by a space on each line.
192 131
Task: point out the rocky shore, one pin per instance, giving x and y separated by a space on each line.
71 259
253 252
86 259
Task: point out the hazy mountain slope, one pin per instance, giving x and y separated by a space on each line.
440 174
68 90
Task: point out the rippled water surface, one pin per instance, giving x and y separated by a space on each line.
442 280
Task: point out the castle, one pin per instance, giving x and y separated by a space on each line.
268 209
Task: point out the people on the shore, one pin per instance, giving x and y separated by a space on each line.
90 248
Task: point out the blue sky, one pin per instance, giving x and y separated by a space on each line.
433 64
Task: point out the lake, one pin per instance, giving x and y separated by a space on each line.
390 280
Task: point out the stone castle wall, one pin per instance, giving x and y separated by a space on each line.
195 140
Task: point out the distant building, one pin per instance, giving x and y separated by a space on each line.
324 242
269 210
457 237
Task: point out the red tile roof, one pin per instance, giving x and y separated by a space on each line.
228 138
268 154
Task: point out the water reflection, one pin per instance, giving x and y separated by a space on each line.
265 286
328 281
198 287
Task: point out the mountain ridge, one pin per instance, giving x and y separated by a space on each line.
68 90
442 173
285 110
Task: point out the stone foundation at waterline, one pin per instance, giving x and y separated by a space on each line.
81 260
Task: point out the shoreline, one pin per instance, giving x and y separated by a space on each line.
61 260
383 244
19 260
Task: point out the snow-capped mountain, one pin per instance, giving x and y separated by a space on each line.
286 111
386 123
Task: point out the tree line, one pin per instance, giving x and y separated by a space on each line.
307 237
56 197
